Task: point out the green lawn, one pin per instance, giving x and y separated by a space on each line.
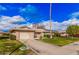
7 46
60 41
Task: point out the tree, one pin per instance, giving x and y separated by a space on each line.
50 20
56 34
12 37
73 30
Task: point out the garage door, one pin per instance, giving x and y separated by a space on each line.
24 35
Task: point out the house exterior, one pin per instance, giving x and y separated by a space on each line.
25 33
63 34
1 33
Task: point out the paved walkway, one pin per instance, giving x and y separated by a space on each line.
48 49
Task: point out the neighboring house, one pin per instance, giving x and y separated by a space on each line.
28 33
2 33
64 34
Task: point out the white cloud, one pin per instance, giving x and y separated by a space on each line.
61 25
75 14
7 22
28 9
55 25
11 19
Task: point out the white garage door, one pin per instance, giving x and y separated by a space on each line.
24 36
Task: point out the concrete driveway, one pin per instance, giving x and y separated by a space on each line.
48 49
72 46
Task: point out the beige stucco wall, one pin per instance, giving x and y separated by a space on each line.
1 34
26 35
14 33
39 35
22 35
64 34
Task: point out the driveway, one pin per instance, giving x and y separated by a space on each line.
48 49
72 46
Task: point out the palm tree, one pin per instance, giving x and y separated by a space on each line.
50 20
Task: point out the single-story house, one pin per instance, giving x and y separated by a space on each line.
25 33
2 33
64 34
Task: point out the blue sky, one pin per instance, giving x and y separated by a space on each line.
35 12
21 14
63 11
63 15
26 14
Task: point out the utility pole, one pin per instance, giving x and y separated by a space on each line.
50 15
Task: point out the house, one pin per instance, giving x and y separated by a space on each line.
63 34
40 33
25 33
2 33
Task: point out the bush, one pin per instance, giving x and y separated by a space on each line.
8 36
12 37
56 34
4 36
46 35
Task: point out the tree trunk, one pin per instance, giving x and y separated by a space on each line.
50 20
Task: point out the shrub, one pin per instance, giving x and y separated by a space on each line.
4 36
12 37
46 35
56 34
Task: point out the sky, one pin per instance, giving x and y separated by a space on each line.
63 11
33 11
64 14
21 14
26 14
